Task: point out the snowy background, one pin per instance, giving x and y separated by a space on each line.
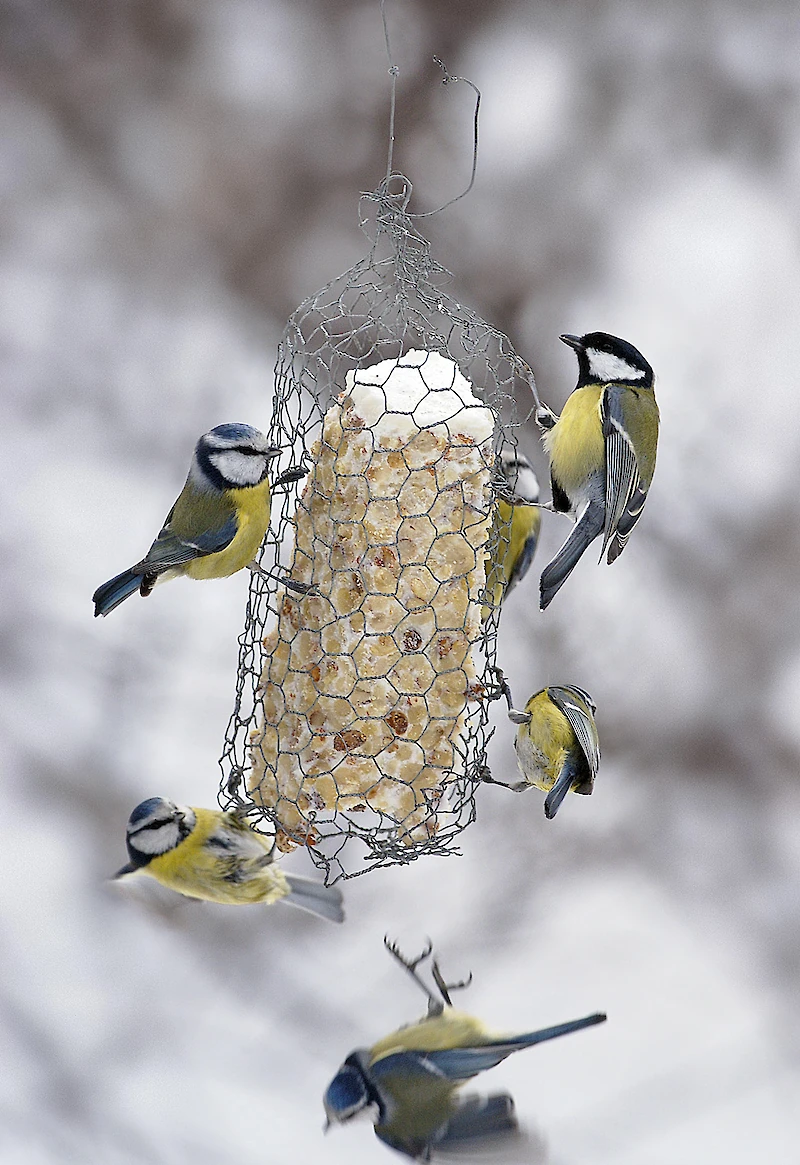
176 176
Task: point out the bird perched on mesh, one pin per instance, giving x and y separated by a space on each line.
205 853
557 745
516 527
218 521
407 1083
602 450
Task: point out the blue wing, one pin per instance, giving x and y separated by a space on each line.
170 550
625 495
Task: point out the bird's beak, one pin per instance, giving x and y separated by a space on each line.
519 717
129 868
573 341
272 451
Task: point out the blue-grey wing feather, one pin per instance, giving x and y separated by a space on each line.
169 550
580 721
624 494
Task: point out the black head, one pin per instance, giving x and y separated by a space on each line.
604 359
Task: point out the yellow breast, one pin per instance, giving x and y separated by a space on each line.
542 745
199 870
575 443
252 515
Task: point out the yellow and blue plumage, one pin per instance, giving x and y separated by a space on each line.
216 856
557 744
602 451
218 521
515 532
408 1081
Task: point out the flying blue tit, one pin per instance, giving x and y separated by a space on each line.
407 1083
218 522
516 527
205 853
557 743
602 450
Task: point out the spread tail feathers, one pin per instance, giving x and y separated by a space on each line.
115 591
307 894
588 527
479 1118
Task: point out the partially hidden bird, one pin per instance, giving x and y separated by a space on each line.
557 745
408 1082
602 451
216 856
218 521
515 532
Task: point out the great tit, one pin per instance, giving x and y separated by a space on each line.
407 1083
557 743
205 853
602 450
516 527
218 521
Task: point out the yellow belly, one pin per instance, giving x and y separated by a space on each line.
198 870
252 512
542 745
575 443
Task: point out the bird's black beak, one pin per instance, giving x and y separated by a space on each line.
573 341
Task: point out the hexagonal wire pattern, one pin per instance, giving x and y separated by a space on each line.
389 303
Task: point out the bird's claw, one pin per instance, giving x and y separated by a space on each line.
446 988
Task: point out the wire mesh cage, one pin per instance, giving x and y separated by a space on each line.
361 719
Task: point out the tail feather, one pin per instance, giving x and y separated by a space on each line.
308 894
479 1118
562 785
588 527
115 591
559 1029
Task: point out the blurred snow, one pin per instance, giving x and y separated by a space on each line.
175 178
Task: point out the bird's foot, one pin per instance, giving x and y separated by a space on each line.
446 988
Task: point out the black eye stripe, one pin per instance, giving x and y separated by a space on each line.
156 824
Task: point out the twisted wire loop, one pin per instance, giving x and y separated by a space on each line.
361 719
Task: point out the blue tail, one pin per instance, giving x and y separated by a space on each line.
588 527
115 591
479 1118
563 783
325 901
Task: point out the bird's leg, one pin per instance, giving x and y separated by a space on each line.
289 476
291 584
545 418
500 688
435 1007
446 988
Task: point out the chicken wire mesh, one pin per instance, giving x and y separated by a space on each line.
361 719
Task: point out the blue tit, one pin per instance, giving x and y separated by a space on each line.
218 522
602 451
205 853
557 744
408 1082
516 527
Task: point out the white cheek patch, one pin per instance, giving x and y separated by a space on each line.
240 469
521 478
527 487
605 367
156 840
